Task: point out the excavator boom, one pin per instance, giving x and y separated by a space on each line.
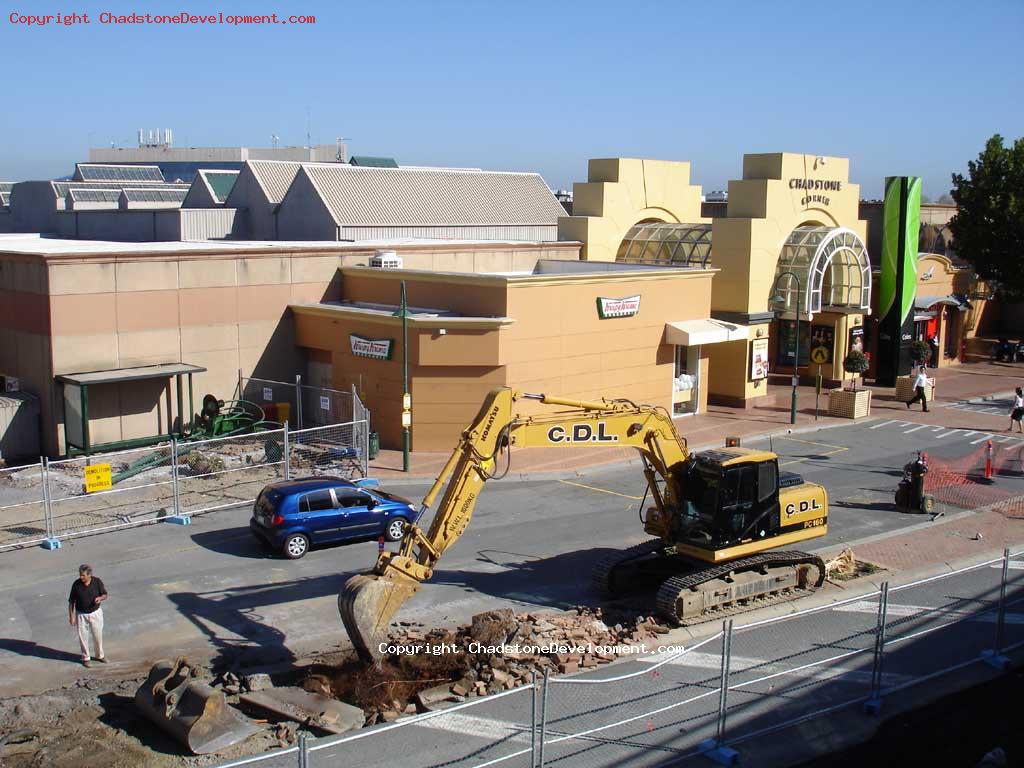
368 602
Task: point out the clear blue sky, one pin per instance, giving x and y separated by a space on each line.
899 87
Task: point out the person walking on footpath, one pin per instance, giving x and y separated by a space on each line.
1017 414
85 612
920 388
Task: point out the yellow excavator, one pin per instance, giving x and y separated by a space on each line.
719 518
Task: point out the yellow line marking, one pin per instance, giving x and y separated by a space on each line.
838 448
835 449
601 490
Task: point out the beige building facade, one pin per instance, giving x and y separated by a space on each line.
565 329
71 307
790 243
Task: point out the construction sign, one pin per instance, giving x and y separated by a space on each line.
97 478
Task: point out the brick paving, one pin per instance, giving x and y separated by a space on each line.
945 542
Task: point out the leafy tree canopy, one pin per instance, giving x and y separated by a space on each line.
988 228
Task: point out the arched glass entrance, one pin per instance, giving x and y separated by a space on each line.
832 266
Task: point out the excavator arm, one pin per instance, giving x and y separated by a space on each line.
367 602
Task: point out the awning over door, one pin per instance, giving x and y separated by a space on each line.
924 303
691 333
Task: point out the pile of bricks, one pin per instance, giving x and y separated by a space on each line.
504 650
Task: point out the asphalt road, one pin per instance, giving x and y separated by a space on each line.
212 590
657 709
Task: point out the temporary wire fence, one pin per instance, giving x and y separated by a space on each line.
718 695
46 502
301 405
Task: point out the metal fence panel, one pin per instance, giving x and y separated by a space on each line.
1014 614
338 449
278 399
322 406
141 491
663 704
22 506
791 669
938 624
228 471
496 730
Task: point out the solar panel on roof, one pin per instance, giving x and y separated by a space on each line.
95 195
155 195
145 173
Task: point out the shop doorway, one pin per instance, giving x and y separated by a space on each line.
686 381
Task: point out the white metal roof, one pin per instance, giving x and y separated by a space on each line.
396 196
274 176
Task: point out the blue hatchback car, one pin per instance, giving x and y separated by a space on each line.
292 515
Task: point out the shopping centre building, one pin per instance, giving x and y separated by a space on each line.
639 297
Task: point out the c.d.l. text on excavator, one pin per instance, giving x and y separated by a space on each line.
718 520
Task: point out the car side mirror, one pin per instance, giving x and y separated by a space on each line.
371 503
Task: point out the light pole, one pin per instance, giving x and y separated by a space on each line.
778 298
403 312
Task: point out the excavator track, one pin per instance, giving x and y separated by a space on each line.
738 586
604 578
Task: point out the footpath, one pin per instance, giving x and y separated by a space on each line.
771 416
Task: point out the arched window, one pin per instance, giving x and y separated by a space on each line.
655 242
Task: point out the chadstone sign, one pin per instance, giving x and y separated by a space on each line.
815 185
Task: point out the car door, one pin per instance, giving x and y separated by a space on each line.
318 515
359 515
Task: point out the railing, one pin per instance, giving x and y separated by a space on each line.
46 502
713 698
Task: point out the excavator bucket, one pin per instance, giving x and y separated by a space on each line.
367 603
194 713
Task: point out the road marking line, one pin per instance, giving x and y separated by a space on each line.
481 727
1003 439
601 490
911 611
740 664
937 429
1013 565
883 424
968 433
982 439
838 448
952 431
914 429
989 410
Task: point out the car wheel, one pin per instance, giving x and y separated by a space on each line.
395 529
295 546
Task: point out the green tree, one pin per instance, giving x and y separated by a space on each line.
988 228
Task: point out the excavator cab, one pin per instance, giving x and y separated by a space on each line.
728 496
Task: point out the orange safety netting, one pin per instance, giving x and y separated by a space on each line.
962 482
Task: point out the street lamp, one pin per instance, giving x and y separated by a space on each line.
403 312
778 298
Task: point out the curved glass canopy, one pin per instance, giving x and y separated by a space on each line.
654 242
831 264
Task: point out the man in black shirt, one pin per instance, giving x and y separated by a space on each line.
87 595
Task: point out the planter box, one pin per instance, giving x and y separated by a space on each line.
849 404
905 388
